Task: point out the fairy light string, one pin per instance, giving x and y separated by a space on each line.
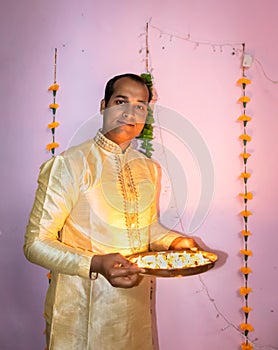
236 47
53 106
215 46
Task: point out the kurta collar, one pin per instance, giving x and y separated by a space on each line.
107 144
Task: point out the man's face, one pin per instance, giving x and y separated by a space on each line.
126 112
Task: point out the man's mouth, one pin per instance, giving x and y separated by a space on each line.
122 122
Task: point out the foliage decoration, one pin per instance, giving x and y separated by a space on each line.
146 135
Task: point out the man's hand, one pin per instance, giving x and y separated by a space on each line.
119 271
184 243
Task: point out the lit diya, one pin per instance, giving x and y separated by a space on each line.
174 263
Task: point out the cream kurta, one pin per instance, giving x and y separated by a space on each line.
94 199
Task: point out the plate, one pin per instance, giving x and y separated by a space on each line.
174 263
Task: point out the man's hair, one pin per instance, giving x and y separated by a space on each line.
109 89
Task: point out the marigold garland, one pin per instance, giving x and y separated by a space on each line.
53 106
246 196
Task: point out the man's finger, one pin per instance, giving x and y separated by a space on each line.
125 271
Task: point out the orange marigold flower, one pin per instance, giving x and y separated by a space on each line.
48 275
245 155
246 309
244 118
53 87
245 175
246 233
52 145
245 137
246 327
54 105
245 290
246 252
246 213
244 80
244 99
248 195
245 346
245 270
53 125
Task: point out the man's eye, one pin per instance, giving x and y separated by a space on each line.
141 107
119 102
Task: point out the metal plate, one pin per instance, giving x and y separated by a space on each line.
180 271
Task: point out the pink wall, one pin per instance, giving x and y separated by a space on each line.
96 41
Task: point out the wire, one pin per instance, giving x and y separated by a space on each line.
264 73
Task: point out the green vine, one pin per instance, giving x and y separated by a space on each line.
146 135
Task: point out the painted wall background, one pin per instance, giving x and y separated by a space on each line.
95 41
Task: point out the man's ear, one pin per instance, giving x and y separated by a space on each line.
102 106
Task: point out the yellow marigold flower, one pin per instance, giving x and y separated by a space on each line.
246 309
245 175
244 118
248 195
245 270
246 213
52 145
246 252
246 327
53 87
245 346
53 125
246 233
245 137
245 155
244 80
244 99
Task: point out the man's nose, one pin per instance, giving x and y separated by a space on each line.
129 111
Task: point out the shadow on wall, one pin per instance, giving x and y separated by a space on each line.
222 256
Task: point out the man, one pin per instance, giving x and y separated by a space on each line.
95 205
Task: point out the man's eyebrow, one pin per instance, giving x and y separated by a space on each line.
126 98
121 96
144 102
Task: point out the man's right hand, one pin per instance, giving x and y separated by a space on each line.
119 271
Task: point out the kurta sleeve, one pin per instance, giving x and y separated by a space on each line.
161 237
57 192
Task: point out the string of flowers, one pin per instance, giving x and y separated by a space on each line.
246 197
53 106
